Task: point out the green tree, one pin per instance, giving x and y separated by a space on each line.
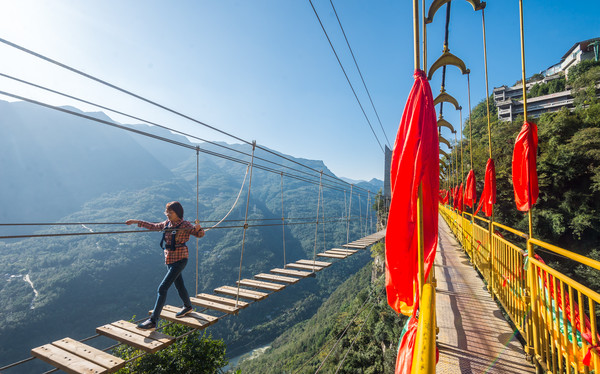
576 71
195 353
584 87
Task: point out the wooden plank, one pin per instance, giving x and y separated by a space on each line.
130 338
330 252
276 278
322 264
194 319
262 285
246 294
331 255
150 334
295 273
110 362
214 305
222 300
343 250
354 246
304 267
66 361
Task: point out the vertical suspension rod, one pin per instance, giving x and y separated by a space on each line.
237 296
317 223
282 221
349 214
197 209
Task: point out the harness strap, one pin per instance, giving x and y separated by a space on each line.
172 245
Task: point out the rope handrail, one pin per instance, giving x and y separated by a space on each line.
121 223
148 231
359 72
234 203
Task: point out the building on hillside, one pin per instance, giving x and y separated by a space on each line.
581 51
509 101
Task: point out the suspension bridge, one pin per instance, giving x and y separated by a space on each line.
486 303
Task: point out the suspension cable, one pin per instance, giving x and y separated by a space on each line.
23 49
363 306
340 336
360 73
47 59
487 90
346 75
355 338
334 179
121 223
175 142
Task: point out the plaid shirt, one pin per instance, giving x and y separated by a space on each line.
184 231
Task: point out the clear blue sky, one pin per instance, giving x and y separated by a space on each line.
263 69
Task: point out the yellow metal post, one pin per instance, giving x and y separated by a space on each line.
487 101
530 251
471 155
421 242
424 354
462 181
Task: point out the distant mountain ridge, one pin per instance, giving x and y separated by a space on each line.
59 168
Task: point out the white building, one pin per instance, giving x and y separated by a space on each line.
509 101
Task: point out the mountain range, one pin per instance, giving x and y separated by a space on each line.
59 168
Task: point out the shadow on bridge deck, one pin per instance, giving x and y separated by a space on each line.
473 337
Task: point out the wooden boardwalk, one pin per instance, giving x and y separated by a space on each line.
473 336
75 357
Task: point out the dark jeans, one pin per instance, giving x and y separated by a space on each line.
173 276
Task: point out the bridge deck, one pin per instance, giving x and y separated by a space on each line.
473 337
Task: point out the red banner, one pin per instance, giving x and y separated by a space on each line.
460 204
406 348
414 162
470 190
524 170
488 196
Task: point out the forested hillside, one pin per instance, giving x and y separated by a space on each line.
354 330
568 165
61 170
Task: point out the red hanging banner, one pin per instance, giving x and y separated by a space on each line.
488 196
414 163
524 169
460 204
406 348
470 190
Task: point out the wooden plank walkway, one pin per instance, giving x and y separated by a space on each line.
473 337
74 357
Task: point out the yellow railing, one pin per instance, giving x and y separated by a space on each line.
424 353
555 314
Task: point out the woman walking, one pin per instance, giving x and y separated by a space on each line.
176 232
